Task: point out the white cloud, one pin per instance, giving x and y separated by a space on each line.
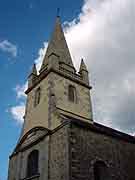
104 34
20 90
17 112
9 47
41 54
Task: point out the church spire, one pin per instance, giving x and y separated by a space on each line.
57 47
33 75
84 72
82 66
34 69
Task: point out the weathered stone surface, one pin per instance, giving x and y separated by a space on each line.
18 162
70 151
87 147
59 155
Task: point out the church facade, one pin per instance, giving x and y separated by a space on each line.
59 139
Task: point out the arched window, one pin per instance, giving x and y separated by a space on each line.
72 93
32 163
100 171
37 96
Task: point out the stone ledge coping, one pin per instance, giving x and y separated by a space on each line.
32 177
45 73
102 129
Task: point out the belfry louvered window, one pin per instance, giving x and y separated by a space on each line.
72 93
32 163
37 96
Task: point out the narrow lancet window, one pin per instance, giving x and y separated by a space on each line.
72 93
37 96
100 171
32 163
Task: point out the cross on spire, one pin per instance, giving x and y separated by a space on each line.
58 12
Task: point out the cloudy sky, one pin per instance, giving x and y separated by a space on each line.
100 31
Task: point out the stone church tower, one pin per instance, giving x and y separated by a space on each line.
58 90
59 139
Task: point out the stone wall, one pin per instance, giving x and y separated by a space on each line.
18 162
87 147
54 101
59 155
82 107
71 150
37 116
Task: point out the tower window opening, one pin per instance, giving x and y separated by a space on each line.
100 171
37 96
72 93
32 163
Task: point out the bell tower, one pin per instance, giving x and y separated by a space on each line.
55 95
58 90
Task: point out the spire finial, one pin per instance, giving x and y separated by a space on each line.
82 66
34 69
82 60
58 12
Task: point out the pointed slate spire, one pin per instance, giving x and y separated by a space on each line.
57 46
82 66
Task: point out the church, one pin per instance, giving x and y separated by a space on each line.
59 138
